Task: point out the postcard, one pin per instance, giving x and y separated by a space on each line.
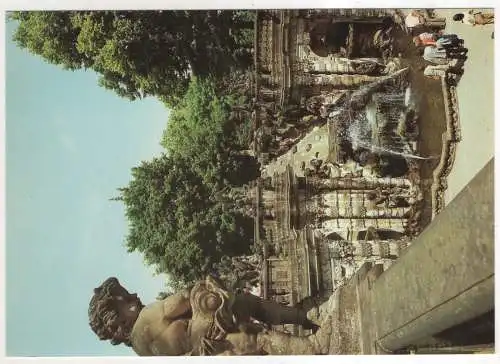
249 182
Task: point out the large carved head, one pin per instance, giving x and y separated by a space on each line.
113 312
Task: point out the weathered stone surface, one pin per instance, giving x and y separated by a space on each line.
350 217
445 277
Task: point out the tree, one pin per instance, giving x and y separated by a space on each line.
174 223
140 53
201 131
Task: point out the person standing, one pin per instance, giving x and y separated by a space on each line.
435 55
441 55
439 41
424 39
436 71
448 41
448 72
474 18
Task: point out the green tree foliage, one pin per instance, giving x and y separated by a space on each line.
186 209
176 225
140 53
181 208
201 131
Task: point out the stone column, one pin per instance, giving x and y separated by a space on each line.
368 248
330 65
337 81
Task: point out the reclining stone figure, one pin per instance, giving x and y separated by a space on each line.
203 320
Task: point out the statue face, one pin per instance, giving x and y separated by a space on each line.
127 307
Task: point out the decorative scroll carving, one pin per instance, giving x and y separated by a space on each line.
450 141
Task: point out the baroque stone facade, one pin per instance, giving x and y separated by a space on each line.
336 132
307 63
297 53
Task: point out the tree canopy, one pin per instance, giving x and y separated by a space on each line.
176 225
140 53
201 131
185 209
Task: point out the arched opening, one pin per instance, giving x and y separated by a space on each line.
387 234
369 234
334 236
330 39
379 234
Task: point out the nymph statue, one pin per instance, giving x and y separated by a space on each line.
205 319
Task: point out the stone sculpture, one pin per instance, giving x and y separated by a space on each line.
205 319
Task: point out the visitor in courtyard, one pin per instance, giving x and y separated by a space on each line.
424 39
436 71
416 20
449 71
438 40
449 41
441 55
474 18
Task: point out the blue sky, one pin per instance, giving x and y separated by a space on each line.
70 144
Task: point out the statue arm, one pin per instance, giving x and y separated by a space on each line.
177 306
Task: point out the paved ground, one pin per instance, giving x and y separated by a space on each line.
476 103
